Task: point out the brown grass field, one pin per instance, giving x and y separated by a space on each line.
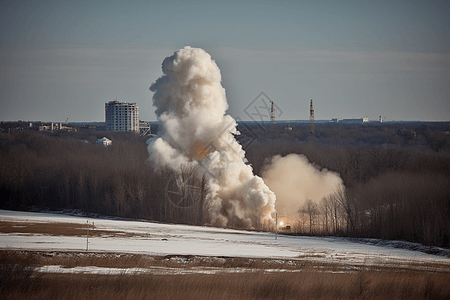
19 280
54 228
240 278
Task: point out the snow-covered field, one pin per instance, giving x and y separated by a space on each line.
169 239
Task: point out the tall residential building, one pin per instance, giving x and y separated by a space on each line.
121 116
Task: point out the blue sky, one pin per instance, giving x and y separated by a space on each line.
65 59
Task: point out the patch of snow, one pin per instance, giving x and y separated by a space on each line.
169 239
401 245
92 270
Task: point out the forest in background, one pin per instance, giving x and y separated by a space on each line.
396 175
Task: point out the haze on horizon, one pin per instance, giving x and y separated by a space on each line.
356 59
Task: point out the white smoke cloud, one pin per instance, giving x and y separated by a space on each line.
294 180
190 105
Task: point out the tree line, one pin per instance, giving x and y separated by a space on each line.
61 171
396 176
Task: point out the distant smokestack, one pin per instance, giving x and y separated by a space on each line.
311 117
272 113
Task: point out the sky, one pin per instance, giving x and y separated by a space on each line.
66 59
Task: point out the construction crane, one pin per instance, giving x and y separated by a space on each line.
311 117
66 121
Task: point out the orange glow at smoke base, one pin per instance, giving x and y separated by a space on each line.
199 151
285 221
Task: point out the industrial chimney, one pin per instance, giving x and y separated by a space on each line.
311 117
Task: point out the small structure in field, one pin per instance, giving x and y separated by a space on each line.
104 142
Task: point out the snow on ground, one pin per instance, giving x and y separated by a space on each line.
154 270
153 238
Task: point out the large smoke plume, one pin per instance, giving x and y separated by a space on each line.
295 180
194 130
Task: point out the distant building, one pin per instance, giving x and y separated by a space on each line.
104 141
354 121
56 126
121 116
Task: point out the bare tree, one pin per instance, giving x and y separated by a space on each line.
311 210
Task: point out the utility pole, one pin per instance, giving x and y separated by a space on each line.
87 234
276 225
311 117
